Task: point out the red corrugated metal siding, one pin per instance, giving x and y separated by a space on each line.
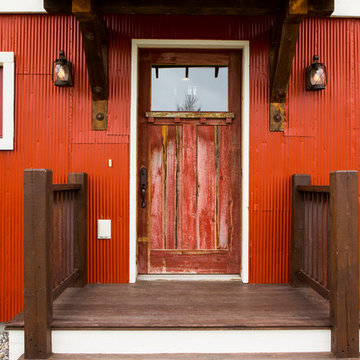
319 138
53 130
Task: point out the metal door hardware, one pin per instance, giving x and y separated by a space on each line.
143 185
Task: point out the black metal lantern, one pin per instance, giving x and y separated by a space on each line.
62 74
316 75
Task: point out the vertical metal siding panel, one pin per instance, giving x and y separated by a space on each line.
319 123
317 139
41 137
263 234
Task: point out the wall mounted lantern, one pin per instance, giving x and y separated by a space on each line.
316 75
62 74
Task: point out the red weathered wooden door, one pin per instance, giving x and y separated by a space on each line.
189 218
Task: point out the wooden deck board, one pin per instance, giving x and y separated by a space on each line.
190 304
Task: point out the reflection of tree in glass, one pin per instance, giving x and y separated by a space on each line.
190 104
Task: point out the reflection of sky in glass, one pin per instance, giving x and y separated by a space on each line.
171 91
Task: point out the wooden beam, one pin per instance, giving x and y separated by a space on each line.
321 8
189 7
344 263
282 51
57 7
95 44
282 54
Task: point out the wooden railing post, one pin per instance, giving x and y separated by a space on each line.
38 199
297 228
80 251
344 263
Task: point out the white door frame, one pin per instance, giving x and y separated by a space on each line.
191 44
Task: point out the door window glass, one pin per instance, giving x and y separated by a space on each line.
189 88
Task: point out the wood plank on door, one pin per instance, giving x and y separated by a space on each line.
188 194
205 188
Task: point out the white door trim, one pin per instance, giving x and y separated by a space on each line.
198 44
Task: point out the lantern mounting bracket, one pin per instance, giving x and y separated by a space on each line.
95 44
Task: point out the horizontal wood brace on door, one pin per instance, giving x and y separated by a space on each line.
191 252
192 118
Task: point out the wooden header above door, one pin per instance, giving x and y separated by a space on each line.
187 7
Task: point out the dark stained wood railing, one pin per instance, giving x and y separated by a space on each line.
316 235
325 251
55 236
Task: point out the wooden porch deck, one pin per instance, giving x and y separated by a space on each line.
187 304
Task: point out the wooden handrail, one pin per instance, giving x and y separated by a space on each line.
338 203
39 288
66 187
314 188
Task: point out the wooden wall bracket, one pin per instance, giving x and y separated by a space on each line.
282 51
99 114
95 44
277 116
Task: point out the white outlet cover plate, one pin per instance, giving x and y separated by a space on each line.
104 229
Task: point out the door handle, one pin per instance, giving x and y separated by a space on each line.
143 185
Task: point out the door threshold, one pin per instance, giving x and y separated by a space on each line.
189 277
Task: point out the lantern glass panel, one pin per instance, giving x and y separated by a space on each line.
317 76
62 72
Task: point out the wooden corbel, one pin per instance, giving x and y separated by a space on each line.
282 51
95 44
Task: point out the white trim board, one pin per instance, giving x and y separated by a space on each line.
346 8
180 341
7 63
22 6
191 44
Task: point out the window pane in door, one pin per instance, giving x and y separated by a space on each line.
189 88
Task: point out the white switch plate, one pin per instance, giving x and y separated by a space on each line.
104 229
